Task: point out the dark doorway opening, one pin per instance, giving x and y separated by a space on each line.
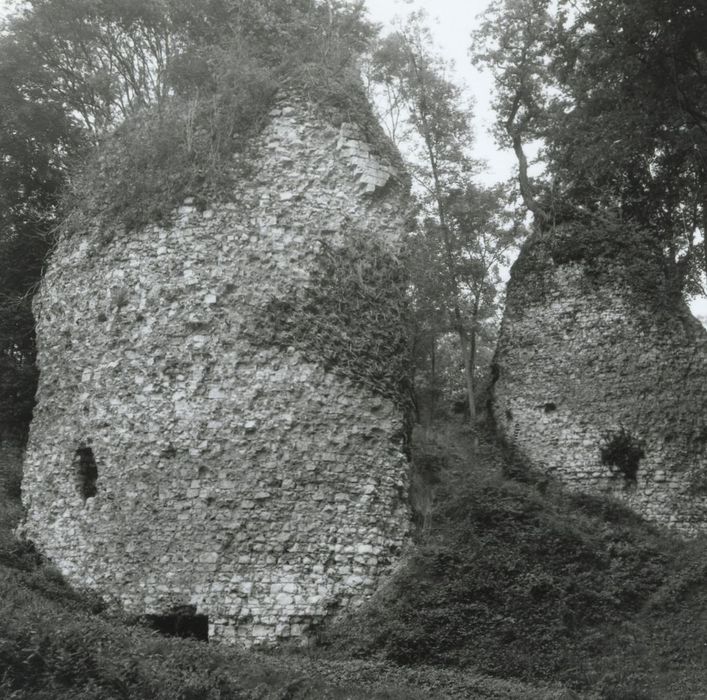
181 622
86 472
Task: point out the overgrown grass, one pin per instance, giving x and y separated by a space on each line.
512 584
517 578
197 142
187 146
60 644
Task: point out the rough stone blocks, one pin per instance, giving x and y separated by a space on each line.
583 359
174 461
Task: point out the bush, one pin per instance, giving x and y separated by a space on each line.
512 583
223 80
611 252
622 453
180 148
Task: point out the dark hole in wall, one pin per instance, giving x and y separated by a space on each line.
550 407
460 405
86 472
181 622
169 452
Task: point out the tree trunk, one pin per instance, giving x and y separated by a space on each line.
433 379
467 346
704 219
526 190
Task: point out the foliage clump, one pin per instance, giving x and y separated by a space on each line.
461 231
622 452
184 147
216 91
513 582
616 92
611 253
611 249
352 316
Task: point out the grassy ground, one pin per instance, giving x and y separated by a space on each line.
58 644
518 579
514 589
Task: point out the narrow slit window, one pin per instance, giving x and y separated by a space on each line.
86 472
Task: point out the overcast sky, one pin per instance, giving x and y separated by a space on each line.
452 22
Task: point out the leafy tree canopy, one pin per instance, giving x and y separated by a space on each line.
462 234
617 91
188 80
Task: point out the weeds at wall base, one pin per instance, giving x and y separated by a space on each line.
520 583
524 579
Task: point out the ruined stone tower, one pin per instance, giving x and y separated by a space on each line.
588 366
217 427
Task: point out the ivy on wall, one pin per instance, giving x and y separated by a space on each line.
609 251
352 316
622 452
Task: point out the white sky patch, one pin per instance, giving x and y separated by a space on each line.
451 23
4 8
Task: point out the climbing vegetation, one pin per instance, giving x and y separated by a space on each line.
611 252
352 316
187 146
190 139
622 452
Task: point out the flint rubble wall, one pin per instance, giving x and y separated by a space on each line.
249 481
580 358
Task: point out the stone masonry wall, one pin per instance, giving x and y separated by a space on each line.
579 358
176 460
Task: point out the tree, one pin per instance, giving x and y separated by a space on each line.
111 58
482 231
37 136
106 58
617 92
514 42
460 241
71 71
636 73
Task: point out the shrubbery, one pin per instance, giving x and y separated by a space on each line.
611 252
182 147
622 453
508 580
219 87
514 582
